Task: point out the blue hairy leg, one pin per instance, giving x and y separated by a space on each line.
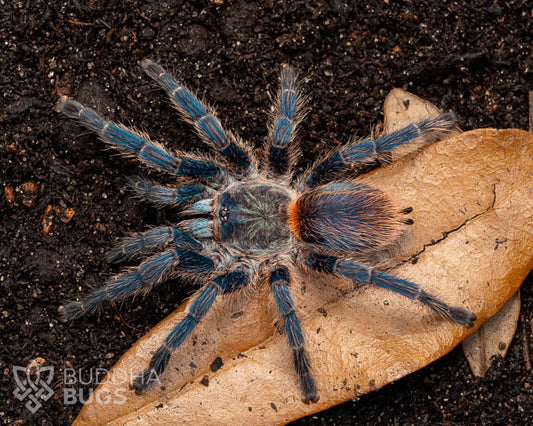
204 121
142 279
279 283
198 228
152 239
238 278
366 152
130 141
363 275
172 196
285 122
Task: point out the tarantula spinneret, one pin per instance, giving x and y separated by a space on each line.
248 221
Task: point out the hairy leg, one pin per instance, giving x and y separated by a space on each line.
365 152
202 118
279 283
169 195
363 275
132 142
239 277
150 240
282 131
142 279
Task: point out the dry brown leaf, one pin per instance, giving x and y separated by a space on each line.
467 192
493 338
402 108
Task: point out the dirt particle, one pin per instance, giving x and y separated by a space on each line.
216 364
9 194
29 193
47 219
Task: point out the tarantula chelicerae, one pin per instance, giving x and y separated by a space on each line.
248 220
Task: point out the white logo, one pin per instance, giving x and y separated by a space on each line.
33 384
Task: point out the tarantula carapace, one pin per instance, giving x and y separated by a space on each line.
248 221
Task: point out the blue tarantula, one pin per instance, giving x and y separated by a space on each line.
249 221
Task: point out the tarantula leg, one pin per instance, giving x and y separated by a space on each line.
130 141
149 273
363 153
152 239
226 283
200 207
279 283
164 195
363 275
201 117
198 228
285 121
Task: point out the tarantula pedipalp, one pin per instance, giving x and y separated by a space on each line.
248 220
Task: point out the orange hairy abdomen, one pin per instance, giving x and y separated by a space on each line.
346 217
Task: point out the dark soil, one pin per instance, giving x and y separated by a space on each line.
470 57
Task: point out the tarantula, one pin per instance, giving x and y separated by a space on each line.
248 221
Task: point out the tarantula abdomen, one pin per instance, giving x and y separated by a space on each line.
347 217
